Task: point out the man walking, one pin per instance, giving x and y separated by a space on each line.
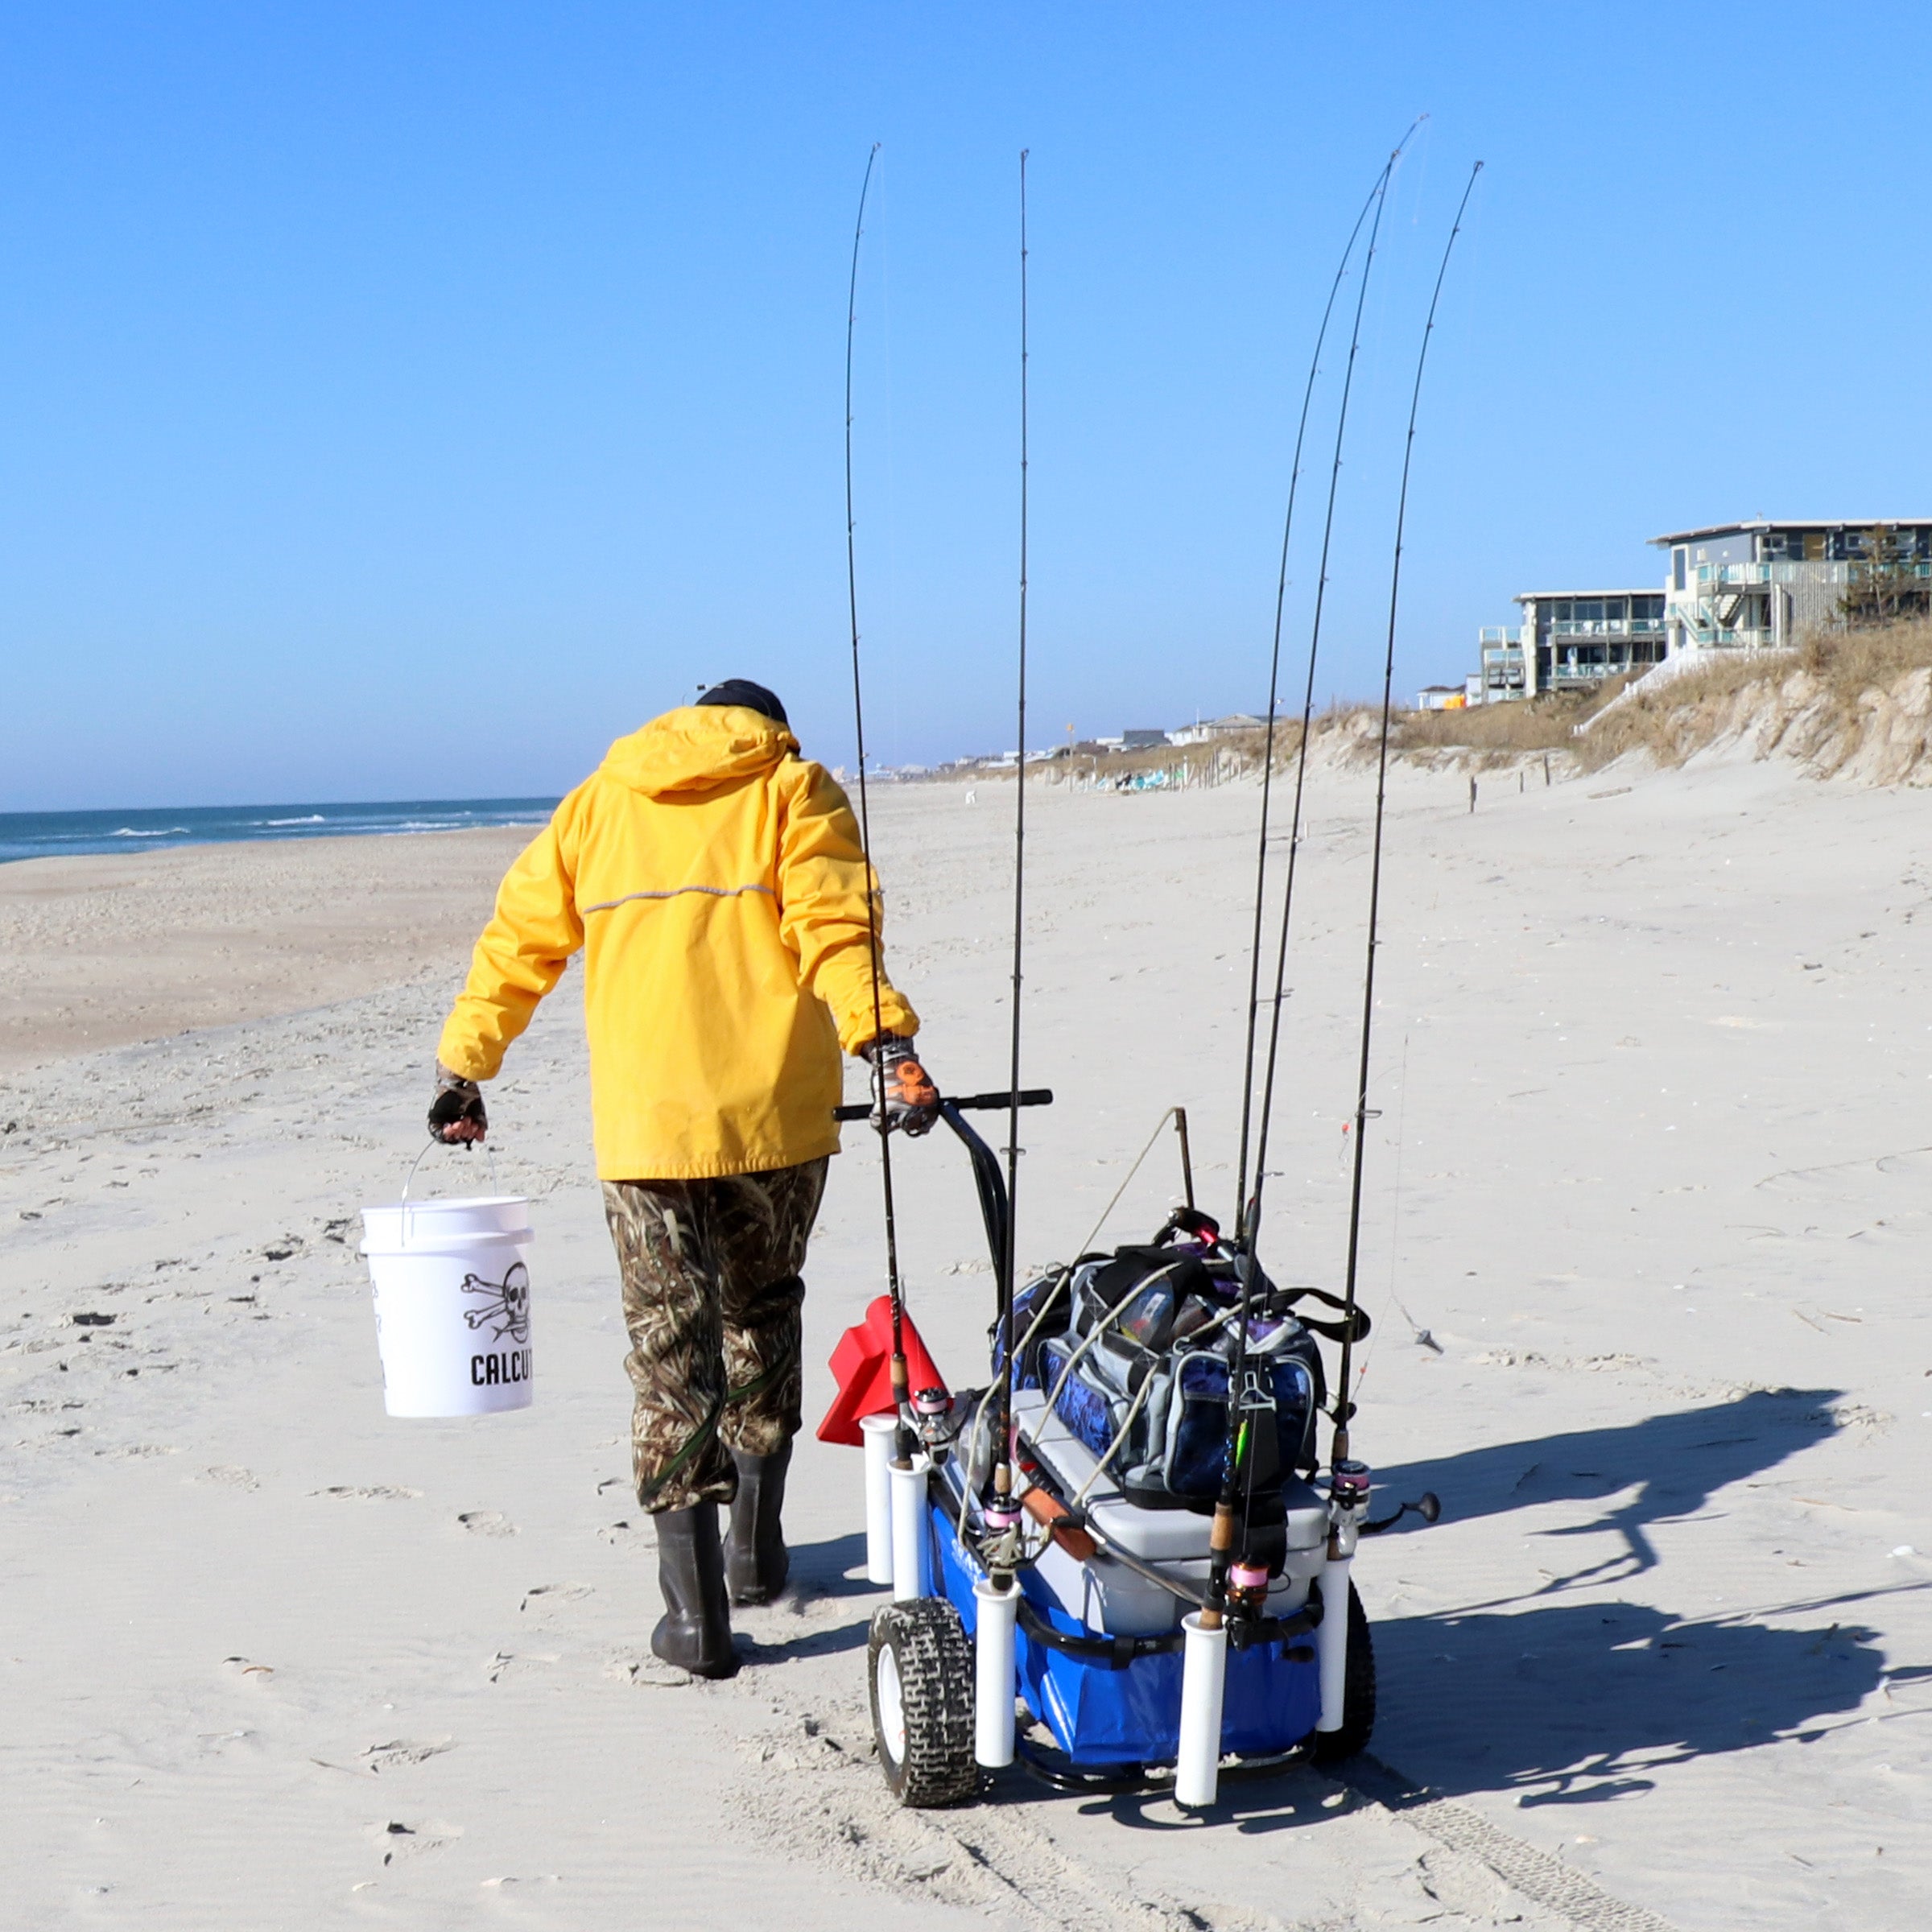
715 882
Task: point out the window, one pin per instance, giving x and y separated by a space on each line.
1679 560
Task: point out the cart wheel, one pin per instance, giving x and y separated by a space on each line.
1358 1692
920 1670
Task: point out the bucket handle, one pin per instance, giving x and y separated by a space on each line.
410 1179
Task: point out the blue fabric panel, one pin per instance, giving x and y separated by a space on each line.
954 1571
1085 1411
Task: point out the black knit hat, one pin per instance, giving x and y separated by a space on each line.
754 697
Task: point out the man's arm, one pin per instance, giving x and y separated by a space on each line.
824 917
520 956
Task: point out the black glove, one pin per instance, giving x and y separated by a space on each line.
902 1092
456 1115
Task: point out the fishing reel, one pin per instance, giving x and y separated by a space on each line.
935 1420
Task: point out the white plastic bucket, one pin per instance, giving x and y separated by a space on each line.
410 1222
451 1281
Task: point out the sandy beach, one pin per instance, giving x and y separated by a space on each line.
106 951
1642 1243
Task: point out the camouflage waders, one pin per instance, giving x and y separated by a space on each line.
711 1299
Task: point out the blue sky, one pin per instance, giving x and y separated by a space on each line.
404 400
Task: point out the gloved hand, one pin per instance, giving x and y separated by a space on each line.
455 1114
903 1092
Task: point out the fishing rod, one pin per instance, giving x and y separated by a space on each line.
894 1289
1343 1407
1274 669
1005 1519
1222 1537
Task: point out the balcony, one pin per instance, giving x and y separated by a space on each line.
1606 627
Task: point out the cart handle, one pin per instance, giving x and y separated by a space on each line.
1027 1096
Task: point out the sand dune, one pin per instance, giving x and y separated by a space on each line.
1658 1057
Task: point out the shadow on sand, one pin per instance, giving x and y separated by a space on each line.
1662 1469
828 1572
1571 1703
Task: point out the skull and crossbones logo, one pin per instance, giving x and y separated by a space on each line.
507 1312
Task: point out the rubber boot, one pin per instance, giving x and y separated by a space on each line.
756 1560
695 1630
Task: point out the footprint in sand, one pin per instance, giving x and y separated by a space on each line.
402 1840
401 1751
487 1522
549 1597
379 1492
233 1474
516 1661
649 1673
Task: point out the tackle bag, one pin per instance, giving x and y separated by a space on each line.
1135 1348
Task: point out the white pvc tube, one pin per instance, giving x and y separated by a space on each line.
1197 1771
998 1612
911 1542
1332 1642
878 1431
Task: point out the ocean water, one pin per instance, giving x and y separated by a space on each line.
41 834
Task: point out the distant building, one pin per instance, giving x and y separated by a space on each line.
1441 697
1141 741
1731 586
1760 584
1204 731
1569 640
1503 675
1574 639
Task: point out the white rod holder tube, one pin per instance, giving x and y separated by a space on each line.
1197 1771
1332 1642
878 1431
911 1540
998 1612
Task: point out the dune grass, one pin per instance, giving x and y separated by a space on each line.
1820 701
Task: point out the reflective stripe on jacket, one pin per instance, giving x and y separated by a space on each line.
715 882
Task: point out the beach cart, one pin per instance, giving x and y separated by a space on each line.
1084 1626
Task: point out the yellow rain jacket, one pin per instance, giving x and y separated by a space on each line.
715 881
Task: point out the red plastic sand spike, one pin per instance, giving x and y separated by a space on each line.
862 1365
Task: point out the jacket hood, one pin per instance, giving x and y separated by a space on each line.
697 747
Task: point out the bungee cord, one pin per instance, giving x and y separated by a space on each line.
1343 1407
1178 1116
